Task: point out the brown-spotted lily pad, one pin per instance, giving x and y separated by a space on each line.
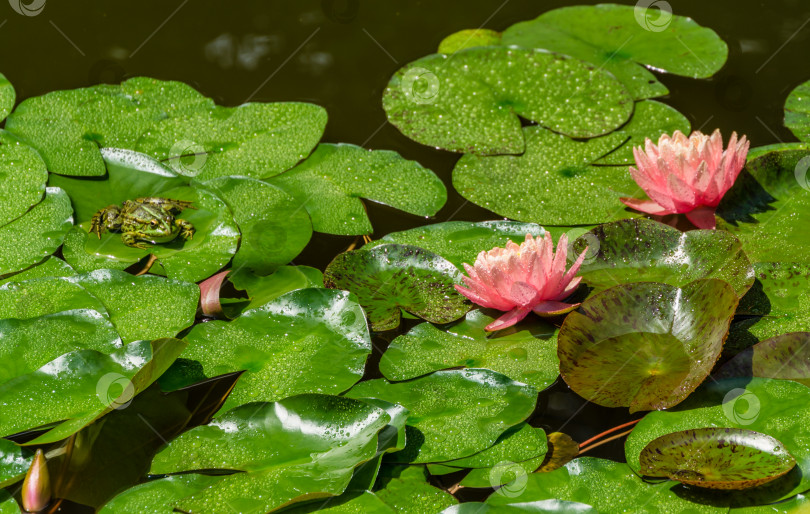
391 277
636 250
717 458
786 357
645 345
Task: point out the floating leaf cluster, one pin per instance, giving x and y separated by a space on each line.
213 374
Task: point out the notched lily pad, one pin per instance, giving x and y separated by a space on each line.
648 35
527 353
485 404
330 183
469 38
645 345
553 182
389 277
23 174
37 234
642 250
433 99
717 458
462 241
7 97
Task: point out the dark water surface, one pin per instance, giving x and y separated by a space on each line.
340 54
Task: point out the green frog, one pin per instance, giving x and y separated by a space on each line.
144 220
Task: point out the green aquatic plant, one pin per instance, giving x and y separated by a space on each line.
164 348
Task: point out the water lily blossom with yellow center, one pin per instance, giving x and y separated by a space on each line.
523 278
687 175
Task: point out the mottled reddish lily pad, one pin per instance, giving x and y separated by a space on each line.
645 345
786 356
717 458
391 277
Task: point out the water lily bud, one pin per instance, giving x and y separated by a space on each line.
36 492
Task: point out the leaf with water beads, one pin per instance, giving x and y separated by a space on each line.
470 101
324 438
306 341
330 183
716 458
485 404
391 277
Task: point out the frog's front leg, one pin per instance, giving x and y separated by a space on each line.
105 219
132 239
186 229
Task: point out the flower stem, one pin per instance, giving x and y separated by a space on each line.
603 441
606 432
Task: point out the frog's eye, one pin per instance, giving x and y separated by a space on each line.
154 223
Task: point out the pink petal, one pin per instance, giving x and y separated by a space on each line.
508 319
647 206
489 302
549 308
703 217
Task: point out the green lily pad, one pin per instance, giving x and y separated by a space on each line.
264 289
274 227
605 485
81 386
14 462
212 247
74 252
527 353
409 491
129 175
547 184
779 300
37 234
520 443
28 344
716 458
469 38
159 495
40 296
433 99
503 473
485 404
462 241
786 356
642 250
389 277
637 36
650 120
778 408
645 345
797 111
7 97
257 140
143 307
8 505
306 341
50 267
22 175
330 183
769 205
298 448
170 121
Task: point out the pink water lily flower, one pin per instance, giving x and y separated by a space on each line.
523 278
687 175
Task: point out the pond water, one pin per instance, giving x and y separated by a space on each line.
340 55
